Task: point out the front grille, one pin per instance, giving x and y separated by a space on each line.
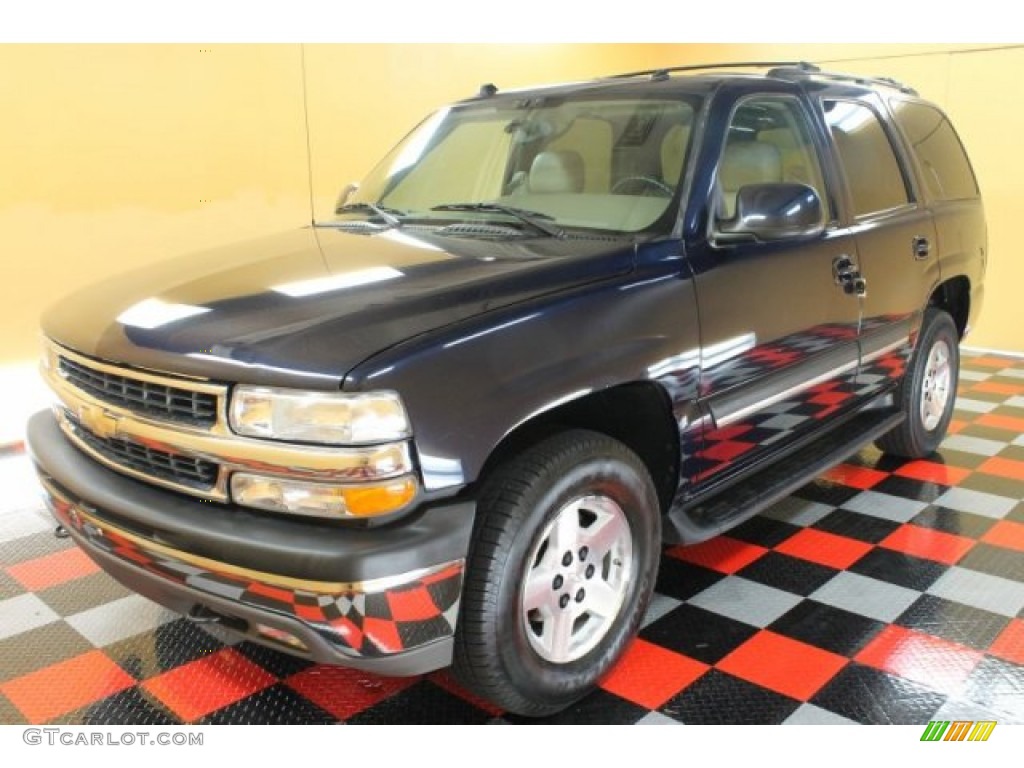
183 470
175 404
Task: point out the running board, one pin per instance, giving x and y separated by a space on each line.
708 518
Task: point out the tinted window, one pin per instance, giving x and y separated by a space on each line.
769 141
947 172
872 170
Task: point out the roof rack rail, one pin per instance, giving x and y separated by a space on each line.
786 71
663 72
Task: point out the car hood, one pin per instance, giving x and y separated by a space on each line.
305 307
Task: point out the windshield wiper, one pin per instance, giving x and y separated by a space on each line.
389 216
539 221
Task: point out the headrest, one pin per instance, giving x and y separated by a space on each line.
560 171
749 162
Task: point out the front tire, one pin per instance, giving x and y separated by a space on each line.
928 391
563 561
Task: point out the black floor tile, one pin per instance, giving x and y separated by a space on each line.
684 580
9 587
898 568
872 458
909 488
10 714
88 592
997 561
764 531
1016 514
277 663
985 433
792 574
959 623
30 547
963 459
599 708
1000 486
697 633
826 627
854 525
276 705
168 646
827 492
41 647
129 707
422 703
953 521
718 698
871 696
1014 452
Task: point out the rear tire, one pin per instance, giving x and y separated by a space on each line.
928 390
563 561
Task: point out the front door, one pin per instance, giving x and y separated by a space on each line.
779 331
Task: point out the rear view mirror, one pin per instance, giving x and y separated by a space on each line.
344 195
769 212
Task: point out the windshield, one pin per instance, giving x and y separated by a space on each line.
610 164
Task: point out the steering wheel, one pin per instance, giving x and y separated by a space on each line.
660 186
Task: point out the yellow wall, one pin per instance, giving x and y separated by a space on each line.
115 156
983 92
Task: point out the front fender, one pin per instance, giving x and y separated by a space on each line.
469 385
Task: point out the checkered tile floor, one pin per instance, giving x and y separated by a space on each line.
884 592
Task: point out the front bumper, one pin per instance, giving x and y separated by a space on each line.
382 599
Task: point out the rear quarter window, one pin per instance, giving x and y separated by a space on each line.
944 164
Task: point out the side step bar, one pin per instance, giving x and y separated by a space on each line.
689 525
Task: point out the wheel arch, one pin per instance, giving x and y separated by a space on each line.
637 414
954 296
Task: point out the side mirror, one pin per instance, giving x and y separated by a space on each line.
344 195
770 212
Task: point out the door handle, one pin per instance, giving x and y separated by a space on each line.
922 248
847 275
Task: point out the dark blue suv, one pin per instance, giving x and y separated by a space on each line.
552 329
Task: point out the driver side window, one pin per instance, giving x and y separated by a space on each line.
768 141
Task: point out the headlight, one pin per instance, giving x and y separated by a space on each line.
333 418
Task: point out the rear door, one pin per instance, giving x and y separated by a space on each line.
778 333
895 235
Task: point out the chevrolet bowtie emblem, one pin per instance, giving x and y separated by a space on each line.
97 421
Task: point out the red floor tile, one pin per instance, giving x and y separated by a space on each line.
998 388
989 362
786 666
956 425
50 570
855 477
928 544
933 472
651 675
207 684
345 692
994 420
1010 643
52 691
937 663
1006 533
824 548
722 554
1010 468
